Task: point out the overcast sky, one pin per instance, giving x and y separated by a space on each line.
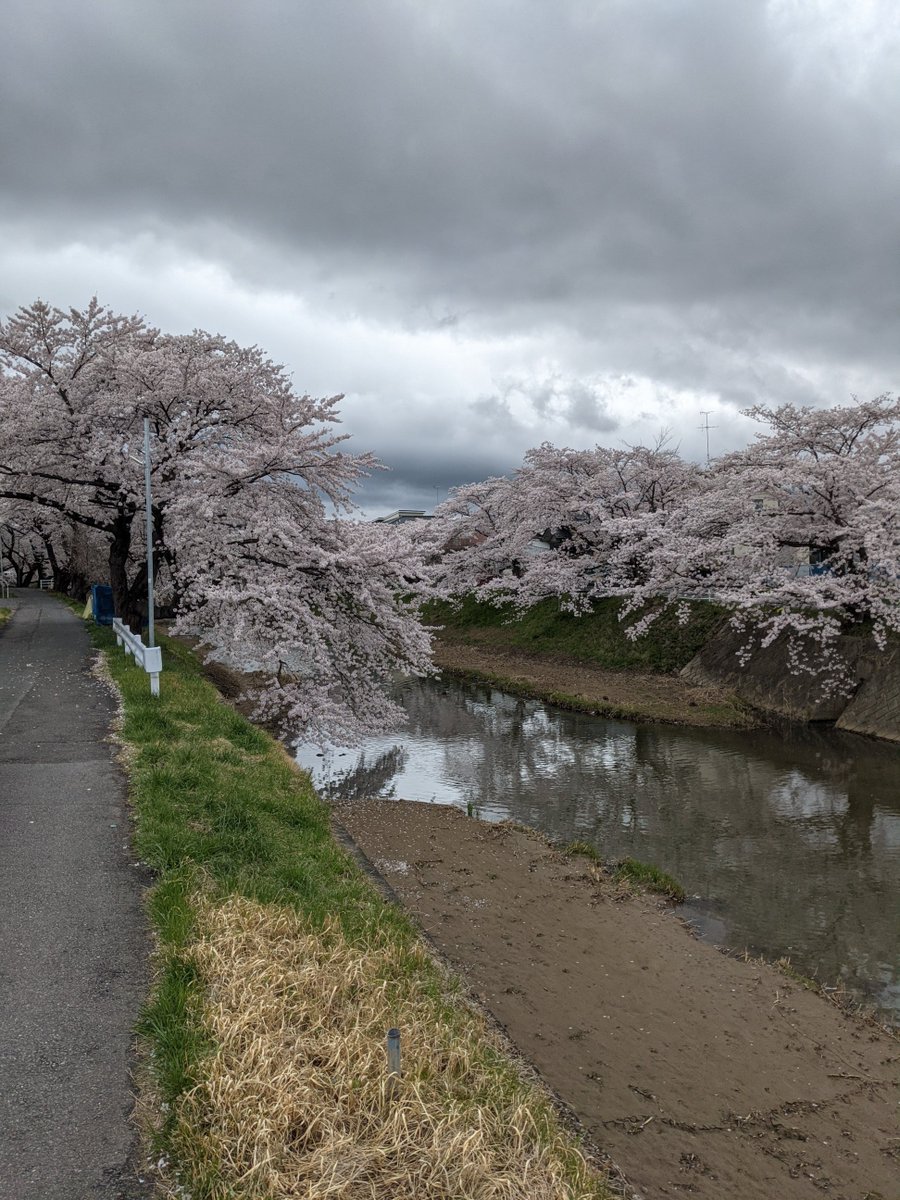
489 223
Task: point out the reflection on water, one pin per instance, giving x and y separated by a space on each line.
788 844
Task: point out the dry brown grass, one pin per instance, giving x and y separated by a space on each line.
295 1100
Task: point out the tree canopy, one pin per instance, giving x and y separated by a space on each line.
797 534
254 537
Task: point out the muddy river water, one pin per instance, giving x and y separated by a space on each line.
787 843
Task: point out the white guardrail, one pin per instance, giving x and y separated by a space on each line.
149 657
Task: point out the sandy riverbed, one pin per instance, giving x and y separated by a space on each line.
699 1074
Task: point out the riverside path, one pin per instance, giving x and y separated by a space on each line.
73 944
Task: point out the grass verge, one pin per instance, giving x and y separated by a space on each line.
280 969
5 614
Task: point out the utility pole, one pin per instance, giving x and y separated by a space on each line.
149 505
704 412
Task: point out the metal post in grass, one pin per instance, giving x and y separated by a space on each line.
393 1052
149 505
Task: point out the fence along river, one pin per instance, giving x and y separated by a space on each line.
787 844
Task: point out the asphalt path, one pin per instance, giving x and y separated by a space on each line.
73 941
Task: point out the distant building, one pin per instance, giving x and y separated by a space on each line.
802 560
402 515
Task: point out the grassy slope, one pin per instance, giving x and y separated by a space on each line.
221 811
597 638
5 614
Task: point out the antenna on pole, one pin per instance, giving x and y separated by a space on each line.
706 412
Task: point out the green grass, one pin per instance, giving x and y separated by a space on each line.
5 614
807 982
582 850
649 877
597 637
220 809
644 875
215 797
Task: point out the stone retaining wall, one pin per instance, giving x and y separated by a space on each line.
766 683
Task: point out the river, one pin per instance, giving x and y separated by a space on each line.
787 843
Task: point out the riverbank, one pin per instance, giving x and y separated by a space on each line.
699 1074
695 673
587 663
279 970
617 694
654 1010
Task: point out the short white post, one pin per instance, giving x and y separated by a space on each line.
149 657
153 666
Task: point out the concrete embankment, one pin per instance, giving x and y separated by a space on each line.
766 682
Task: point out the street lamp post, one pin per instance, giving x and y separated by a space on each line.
149 506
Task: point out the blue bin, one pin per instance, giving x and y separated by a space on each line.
102 603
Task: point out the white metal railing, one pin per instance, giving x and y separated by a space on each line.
149 657
46 585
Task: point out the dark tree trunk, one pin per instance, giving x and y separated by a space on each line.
137 590
60 576
78 585
126 604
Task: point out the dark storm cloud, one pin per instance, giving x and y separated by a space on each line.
429 448
436 446
693 191
421 477
516 155
425 458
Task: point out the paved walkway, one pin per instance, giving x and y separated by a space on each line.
73 945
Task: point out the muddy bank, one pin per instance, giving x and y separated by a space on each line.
700 1075
628 695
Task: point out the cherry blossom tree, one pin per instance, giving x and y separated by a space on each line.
21 555
551 528
66 423
583 501
38 543
251 498
798 534
471 541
